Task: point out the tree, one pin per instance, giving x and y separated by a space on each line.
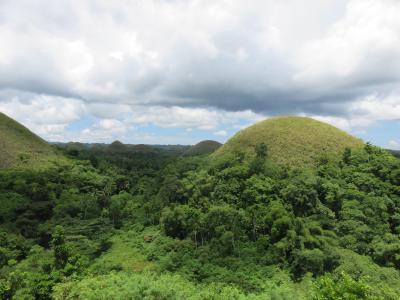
386 250
117 207
257 164
346 155
341 286
258 189
261 150
180 221
369 148
60 248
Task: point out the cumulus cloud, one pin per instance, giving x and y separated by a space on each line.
221 133
184 117
105 130
393 144
365 112
375 108
362 48
198 64
48 116
43 109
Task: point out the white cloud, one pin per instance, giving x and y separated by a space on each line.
42 109
109 110
365 112
361 46
47 116
104 130
375 108
181 117
111 124
201 65
200 53
393 144
220 133
176 117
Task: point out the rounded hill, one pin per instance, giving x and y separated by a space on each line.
203 148
20 146
117 146
291 141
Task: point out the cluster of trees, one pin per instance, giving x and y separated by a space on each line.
233 228
298 216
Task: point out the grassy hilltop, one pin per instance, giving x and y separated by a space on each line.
291 141
19 146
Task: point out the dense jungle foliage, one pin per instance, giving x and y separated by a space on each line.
158 225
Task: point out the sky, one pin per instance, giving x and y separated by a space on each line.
181 71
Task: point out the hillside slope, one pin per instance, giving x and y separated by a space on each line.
20 146
203 148
291 141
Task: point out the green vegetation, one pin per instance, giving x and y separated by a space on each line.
21 147
125 222
203 148
291 141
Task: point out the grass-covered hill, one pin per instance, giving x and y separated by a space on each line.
203 148
19 146
291 141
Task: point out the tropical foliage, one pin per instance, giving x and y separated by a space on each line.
120 222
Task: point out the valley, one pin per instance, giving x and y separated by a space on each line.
288 208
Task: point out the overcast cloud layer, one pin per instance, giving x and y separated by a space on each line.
102 70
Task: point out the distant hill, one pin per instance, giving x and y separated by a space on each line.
19 146
203 148
142 148
291 141
117 146
127 149
395 153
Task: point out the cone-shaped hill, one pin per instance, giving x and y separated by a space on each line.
19 146
291 141
117 146
203 148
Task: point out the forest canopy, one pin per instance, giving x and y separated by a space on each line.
117 222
